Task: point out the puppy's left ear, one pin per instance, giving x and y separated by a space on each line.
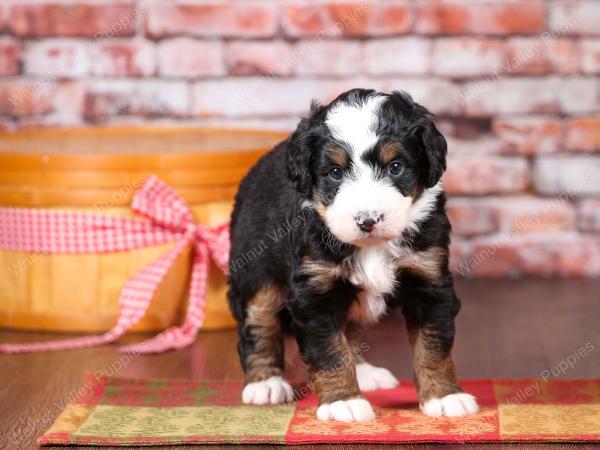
433 152
301 150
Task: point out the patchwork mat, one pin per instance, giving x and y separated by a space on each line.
127 412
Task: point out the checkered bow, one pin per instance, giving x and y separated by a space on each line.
170 219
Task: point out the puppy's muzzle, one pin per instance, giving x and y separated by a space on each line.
366 220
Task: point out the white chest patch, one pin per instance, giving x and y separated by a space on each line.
375 273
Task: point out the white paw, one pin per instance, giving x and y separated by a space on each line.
371 378
273 390
452 405
353 410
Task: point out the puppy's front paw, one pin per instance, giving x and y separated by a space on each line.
453 405
273 390
353 410
371 378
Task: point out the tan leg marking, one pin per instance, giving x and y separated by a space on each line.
338 382
337 388
435 375
262 319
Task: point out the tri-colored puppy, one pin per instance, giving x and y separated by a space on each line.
336 225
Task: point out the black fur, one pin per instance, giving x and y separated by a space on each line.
272 196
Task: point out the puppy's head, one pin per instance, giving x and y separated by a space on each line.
369 163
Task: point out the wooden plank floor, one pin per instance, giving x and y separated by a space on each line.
505 329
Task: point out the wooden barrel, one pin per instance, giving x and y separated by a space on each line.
99 169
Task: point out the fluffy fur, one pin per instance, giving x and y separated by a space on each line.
339 223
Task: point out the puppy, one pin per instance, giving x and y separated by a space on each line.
336 225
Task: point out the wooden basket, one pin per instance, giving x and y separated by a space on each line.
99 169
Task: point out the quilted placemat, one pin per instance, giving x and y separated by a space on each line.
129 412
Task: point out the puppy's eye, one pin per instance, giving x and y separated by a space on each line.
336 173
395 168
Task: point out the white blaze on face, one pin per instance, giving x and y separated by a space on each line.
355 125
367 194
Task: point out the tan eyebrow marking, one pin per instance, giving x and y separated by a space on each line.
388 153
339 156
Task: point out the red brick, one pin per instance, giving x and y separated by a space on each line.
58 58
3 18
261 58
494 96
144 98
464 128
486 174
579 95
583 134
529 215
10 57
465 17
215 19
472 146
528 135
21 98
251 97
466 57
184 57
332 19
306 20
434 17
535 56
590 56
470 217
80 18
262 96
410 56
588 215
329 57
117 58
574 17
567 175
68 101
389 19
543 255
326 19
579 256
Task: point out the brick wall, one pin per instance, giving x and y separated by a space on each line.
514 84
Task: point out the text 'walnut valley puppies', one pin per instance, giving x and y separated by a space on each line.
337 224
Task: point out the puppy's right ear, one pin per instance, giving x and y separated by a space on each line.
301 150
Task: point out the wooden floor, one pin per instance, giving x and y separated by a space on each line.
505 329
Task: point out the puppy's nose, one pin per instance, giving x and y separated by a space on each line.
366 220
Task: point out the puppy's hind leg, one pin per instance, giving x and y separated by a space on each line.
261 350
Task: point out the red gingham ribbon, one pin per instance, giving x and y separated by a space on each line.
46 231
